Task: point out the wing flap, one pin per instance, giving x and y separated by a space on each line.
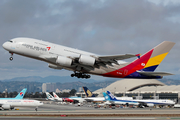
110 58
154 73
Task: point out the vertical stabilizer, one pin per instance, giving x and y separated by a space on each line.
21 94
49 96
87 92
106 97
55 95
156 55
111 96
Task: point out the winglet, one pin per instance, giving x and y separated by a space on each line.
21 94
138 55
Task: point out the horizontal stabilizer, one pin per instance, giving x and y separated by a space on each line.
154 73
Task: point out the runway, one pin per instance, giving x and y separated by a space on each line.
53 111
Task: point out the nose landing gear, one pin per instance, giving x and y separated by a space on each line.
80 75
11 58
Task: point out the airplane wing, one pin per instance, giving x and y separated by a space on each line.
115 57
108 59
154 73
49 58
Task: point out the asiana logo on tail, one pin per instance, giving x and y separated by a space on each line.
89 93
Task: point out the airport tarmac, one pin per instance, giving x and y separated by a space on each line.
53 111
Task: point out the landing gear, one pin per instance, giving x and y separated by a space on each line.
36 109
11 58
80 75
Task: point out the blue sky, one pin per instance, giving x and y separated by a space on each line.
100 26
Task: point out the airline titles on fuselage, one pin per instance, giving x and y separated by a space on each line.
20 101
36 47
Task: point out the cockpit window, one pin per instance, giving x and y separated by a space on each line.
11 41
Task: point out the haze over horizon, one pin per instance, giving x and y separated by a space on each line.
98 26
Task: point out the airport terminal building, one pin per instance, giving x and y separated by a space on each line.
142 89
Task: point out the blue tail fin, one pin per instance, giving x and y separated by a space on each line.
111 96
106 97
88 92
21 94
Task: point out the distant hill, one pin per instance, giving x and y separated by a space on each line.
170 81
34 83
51 79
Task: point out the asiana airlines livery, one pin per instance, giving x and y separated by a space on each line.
85 63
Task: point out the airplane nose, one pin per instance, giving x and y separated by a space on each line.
5 45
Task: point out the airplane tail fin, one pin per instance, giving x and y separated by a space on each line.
55 95
88 92
49 96
21 94
156 55
111 96
106 97
150 60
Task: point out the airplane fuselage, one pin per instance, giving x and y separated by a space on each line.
21 103
44 51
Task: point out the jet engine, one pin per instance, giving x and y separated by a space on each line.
54 66
86 60
64 61
150 105
6 107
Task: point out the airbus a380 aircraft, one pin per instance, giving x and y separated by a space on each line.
84 63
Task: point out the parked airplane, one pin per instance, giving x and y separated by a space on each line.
57 98
19 96
90 97
111 99
144 103
84 63
10 104
18 101
77 99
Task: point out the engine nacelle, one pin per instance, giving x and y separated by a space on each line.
54 66
86 60
6 107
64 61
150 105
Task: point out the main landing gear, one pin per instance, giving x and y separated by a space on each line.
11 58
80 75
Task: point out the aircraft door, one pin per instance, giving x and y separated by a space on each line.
125 72
17 45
